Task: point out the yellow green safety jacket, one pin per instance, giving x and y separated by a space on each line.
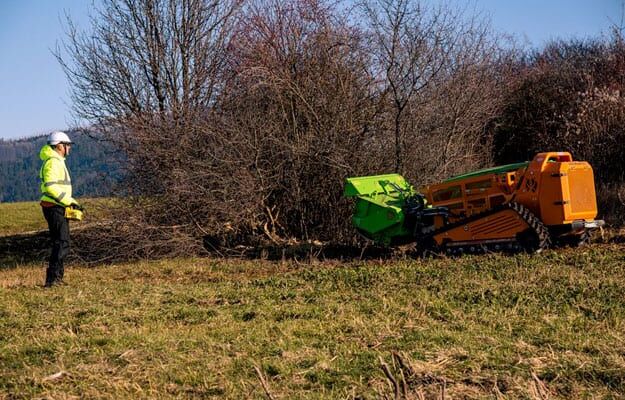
56 185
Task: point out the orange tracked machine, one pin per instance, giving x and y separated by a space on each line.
526 206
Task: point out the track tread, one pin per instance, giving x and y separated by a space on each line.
539 238
543 238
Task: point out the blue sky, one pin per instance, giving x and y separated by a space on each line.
34 94
33 90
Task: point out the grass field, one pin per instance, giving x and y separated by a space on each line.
494 326
24 231
22 217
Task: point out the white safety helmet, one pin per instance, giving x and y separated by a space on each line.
57 137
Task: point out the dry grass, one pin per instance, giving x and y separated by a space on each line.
549 326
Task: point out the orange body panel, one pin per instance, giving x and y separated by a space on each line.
471 196
555 188
558 190
505 224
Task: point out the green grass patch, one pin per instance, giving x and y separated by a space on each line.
16 218
26 217
24 235
514 326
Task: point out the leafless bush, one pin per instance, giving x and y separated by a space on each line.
240 120
611 203
439 85
301 104
570 97
149 74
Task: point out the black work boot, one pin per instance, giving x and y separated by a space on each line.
55 283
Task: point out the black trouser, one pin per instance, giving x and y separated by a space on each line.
59 233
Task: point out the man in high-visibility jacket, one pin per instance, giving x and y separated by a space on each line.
56 189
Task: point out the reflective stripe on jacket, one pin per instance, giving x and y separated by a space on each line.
56 185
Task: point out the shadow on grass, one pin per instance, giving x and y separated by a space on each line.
310 251
618 239
16 250
22 249
299 251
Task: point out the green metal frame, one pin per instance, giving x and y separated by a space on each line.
495 170
378 213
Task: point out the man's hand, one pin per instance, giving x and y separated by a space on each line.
76 206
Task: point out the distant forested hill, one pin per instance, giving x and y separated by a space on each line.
93 166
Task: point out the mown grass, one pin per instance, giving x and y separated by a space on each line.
494 326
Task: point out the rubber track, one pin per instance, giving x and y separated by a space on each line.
541 241
540 230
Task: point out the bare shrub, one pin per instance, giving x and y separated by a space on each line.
611 203
223 140
302 106
569 97
149 75
438 84
240 121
